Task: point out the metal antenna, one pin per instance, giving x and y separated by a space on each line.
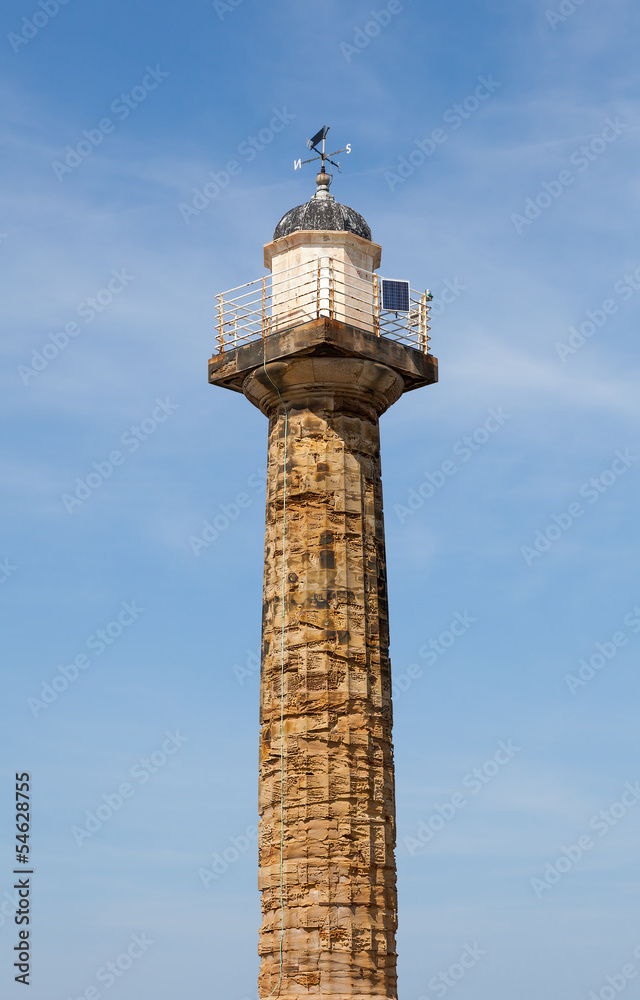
312 143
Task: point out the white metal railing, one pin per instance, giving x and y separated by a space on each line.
319 288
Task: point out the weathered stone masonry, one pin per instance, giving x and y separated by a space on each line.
339 810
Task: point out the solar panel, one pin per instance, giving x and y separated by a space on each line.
395 295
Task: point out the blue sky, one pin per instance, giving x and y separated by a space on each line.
521 221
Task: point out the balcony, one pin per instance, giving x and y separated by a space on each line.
325 288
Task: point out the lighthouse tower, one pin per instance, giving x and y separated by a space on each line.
323 346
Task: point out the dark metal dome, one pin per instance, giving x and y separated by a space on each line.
322 212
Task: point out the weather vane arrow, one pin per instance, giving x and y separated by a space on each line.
321 137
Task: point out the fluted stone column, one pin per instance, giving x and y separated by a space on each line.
338 809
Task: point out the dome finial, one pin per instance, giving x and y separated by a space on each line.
323 181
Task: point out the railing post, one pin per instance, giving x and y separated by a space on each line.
426 326
220 324
376 306
264 304
318 291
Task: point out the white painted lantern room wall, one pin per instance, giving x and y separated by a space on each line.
322 273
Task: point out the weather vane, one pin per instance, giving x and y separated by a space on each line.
321 136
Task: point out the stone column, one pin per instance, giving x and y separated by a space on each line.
338 809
